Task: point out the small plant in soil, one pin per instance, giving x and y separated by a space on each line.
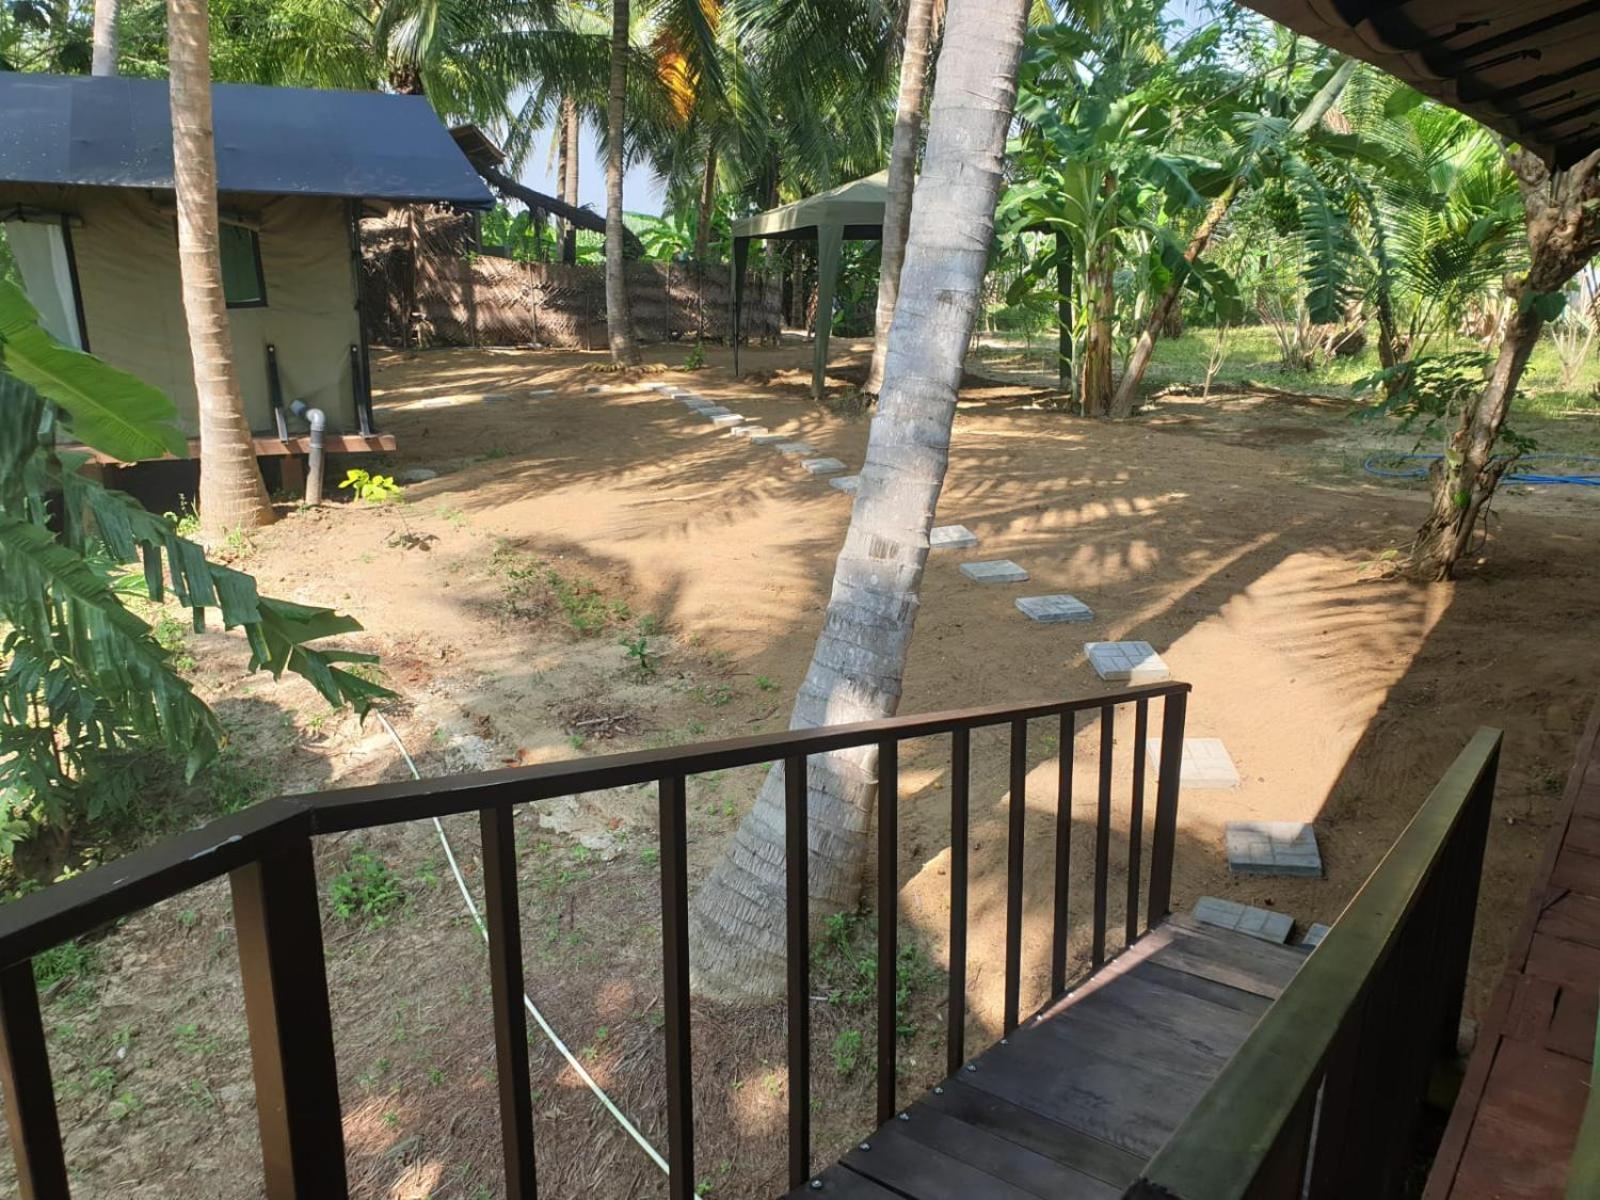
366 889
846 968
847 1052
370 488
766 684
640 654
696 358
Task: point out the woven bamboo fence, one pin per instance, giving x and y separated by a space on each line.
424 284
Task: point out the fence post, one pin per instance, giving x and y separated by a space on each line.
1163 838
29 1095
279 930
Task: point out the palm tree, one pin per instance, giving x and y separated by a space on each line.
232 494
737 919
902 176
619 319
107 15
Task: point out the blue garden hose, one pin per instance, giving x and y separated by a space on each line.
1392 466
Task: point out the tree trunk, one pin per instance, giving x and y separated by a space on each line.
1563 221
1465 479
107 18
708 203
1099 287
737 919
902 177
232 495
1128 390
569 175
619 319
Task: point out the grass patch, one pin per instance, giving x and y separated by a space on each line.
845 968
532 588
367 889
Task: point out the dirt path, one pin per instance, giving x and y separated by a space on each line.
1341 695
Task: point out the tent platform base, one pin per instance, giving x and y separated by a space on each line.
272 447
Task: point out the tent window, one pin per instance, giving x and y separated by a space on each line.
42 247
242 283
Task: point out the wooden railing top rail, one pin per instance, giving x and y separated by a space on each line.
65 910
1228 1139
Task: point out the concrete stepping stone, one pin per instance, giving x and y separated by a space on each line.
1054 609
1001 570
951 537
769 439
1315 934
1272 848
846 483
1205 765
749 431
725 419
1242 918
1126 662
795 448
823 466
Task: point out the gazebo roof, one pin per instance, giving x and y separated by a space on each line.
850 205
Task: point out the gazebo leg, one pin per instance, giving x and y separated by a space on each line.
829 238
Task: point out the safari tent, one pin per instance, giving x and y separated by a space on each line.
87 207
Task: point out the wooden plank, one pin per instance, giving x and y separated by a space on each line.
1219 994
1576 871
1036 1133
1007 1161
1525 1129
1161 1015
1571 963
1246 963
1122 1035
1132 1106
914 1168
1584 835
1572 918
843 1183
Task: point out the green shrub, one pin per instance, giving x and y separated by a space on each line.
366 888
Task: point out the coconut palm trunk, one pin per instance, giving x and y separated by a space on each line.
619 318
737 918
708 204
232 495
107 19
1128 389
569 175
902 177
1563 222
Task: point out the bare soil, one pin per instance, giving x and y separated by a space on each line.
1208 530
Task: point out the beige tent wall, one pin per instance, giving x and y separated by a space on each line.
127 258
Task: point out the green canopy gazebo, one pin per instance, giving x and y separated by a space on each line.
852 211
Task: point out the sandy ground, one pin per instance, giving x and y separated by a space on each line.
1341 694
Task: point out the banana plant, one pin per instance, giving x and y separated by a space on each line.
82 676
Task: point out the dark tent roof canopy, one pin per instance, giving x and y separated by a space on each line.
117 132
1529 69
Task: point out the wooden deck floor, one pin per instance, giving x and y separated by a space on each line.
1515 1122
1081 1098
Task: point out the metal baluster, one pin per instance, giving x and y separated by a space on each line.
1062 926
279 931
1016 815
1102 835
960 780
1141 729
796 849
888 897
675 987
30 1098
1163 838
503 919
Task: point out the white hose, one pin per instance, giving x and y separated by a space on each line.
555 1040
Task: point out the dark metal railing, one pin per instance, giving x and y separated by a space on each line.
1322 1099
267 852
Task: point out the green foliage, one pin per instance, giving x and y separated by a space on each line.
696 358
1428 389
846 967
370 488
847 1052
640 654
367 889
84 681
